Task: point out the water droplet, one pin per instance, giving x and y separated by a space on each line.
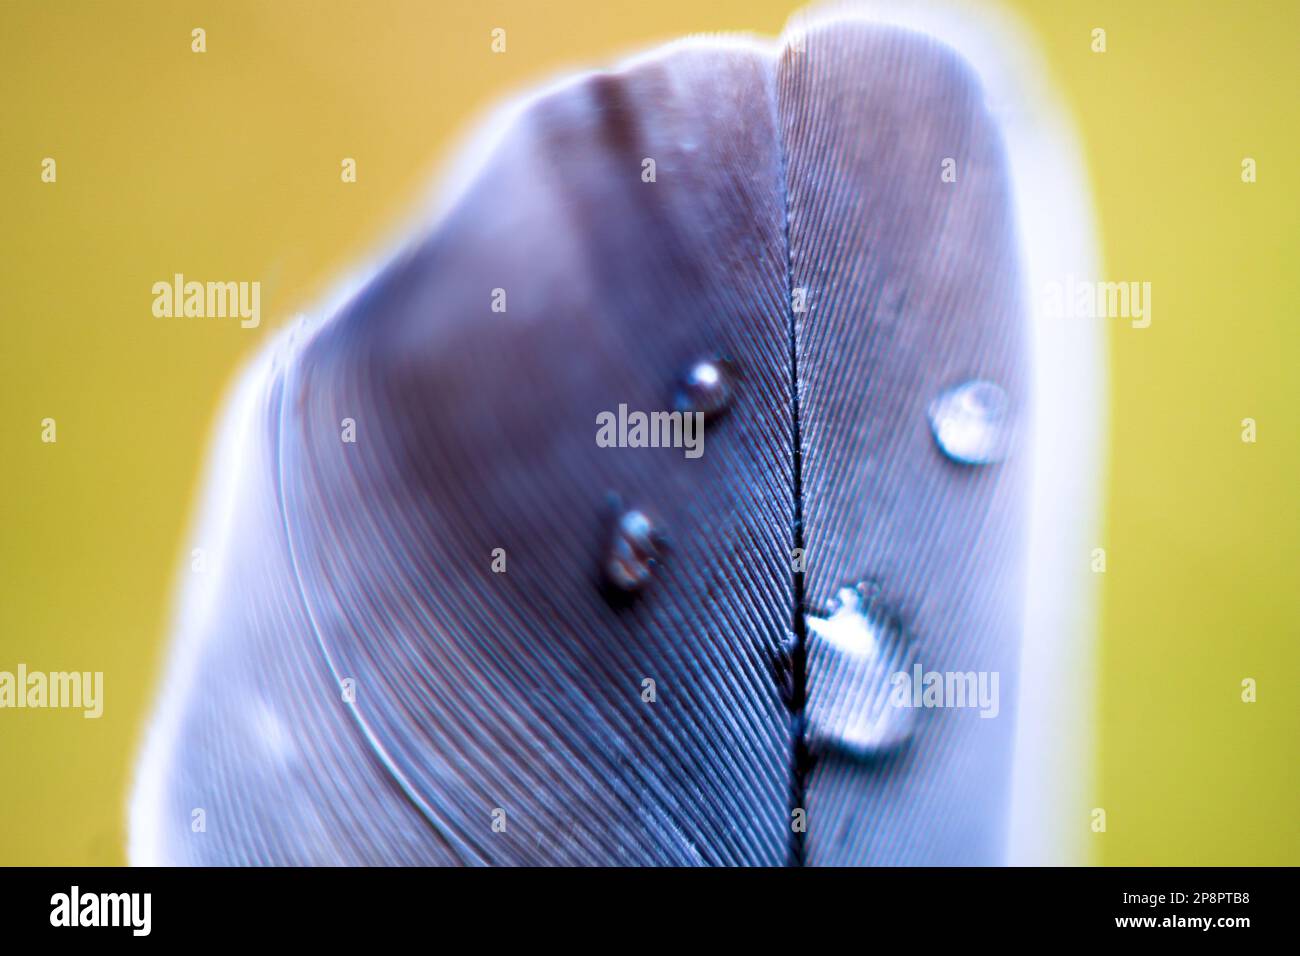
972 423
853 654
633 551
706 387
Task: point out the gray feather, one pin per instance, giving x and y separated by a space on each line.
484 698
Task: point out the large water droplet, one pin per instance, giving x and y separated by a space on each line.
633 551
706 387
972 423
853 653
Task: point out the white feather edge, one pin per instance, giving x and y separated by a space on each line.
1053 768
225 473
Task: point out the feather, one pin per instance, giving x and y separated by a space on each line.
404 650
921 293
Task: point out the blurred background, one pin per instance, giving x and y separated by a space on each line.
227 165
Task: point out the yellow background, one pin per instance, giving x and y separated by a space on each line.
226 164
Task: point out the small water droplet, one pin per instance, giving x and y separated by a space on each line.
706 387
853 653
633 551
972 423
